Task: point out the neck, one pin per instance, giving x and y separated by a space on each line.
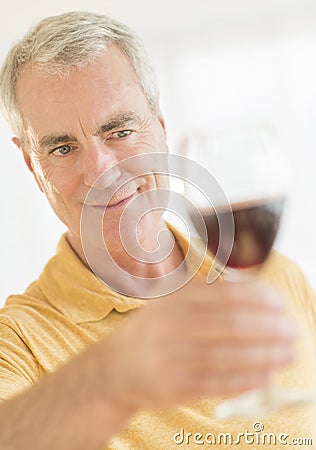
157 255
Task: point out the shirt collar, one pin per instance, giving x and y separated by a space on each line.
75 291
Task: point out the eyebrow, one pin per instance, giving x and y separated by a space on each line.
52 140
117 121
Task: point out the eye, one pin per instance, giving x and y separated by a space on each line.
121 134
61 151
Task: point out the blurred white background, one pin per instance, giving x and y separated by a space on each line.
220 64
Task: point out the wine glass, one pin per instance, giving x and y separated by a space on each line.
240 233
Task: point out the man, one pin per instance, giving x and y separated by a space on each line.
83 366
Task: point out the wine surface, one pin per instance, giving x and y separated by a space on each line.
256 225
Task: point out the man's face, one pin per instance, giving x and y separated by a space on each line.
82 124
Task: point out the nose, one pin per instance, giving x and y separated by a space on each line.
99 166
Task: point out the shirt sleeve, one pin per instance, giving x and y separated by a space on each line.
19 369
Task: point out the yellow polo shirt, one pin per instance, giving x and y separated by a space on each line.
68 308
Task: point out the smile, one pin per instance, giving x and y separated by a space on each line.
113 204
120 203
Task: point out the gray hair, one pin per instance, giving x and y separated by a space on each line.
69 40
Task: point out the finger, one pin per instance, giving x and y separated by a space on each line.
237 326
219 385
255 295
225 359
235 383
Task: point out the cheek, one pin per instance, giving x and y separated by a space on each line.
151 140
55 182
164 181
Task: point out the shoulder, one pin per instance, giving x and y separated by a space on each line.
19 368
287 276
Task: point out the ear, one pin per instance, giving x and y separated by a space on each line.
16 141
27 158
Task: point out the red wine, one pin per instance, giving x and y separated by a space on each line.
256 224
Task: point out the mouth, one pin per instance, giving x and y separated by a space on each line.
120 202
115 203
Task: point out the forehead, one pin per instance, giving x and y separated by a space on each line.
107 86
